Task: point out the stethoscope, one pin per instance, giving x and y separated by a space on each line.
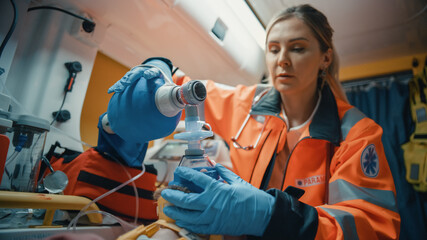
249 147
234 139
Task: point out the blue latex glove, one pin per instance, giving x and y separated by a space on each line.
144 72
232 208
132 111
133 75
181 182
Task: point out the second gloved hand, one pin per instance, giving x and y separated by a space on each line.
132 111
132 76
232 208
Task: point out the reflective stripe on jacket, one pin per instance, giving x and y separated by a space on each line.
341 165
92 174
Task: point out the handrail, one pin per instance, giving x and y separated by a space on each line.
50 202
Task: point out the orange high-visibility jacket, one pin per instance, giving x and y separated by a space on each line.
341 165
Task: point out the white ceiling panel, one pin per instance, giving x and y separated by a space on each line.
365 30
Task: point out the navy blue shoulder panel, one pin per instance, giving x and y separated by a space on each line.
326 122
269 104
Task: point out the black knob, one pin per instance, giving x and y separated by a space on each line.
74 67
62 116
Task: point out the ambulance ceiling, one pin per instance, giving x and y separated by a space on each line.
365 30
132 30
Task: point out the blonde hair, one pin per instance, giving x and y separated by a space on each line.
319 25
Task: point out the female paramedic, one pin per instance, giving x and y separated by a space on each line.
308 164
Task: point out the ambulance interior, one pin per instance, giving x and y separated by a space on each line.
58 59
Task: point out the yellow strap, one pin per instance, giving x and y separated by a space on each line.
138 231
418 86
171 226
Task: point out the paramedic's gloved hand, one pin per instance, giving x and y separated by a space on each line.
133 75
133 113
232 208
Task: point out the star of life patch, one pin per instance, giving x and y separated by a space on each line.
369 161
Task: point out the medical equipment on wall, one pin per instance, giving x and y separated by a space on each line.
5 124
27 137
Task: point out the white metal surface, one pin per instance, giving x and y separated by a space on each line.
105 232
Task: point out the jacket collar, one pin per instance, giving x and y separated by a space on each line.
269 104
325 124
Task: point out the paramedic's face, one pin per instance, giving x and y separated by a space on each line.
293 57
